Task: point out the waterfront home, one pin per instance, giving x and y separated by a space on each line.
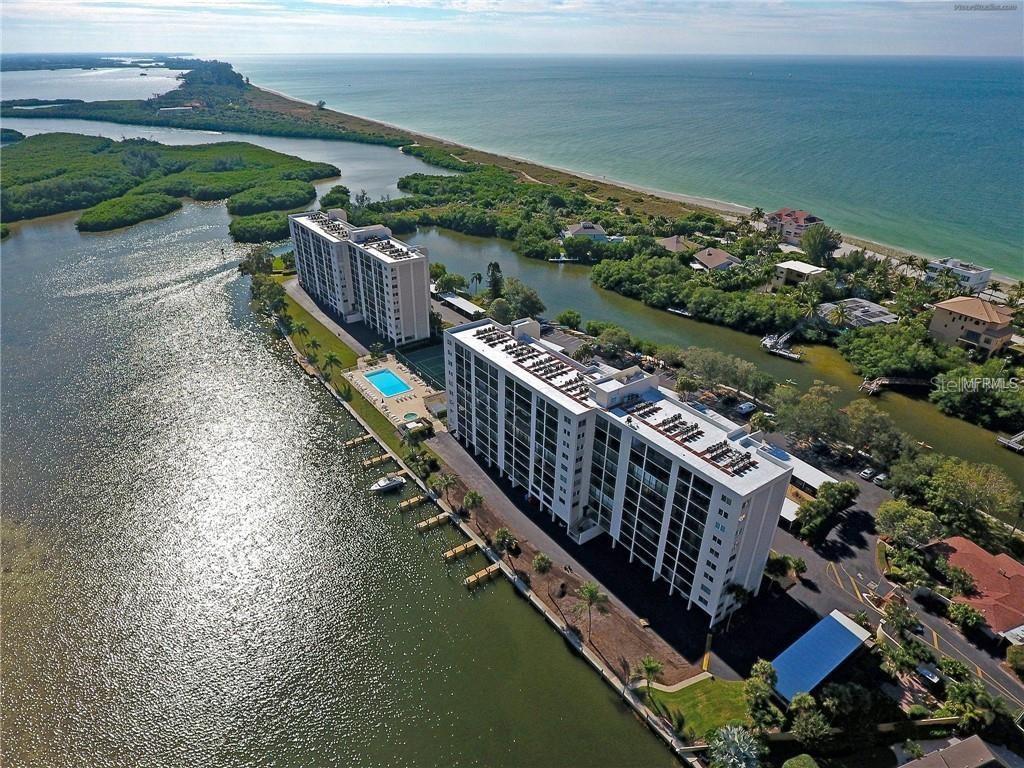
972 752
794 272
856 313
711 259
998 585
613 454
789 224
677 244
363 274
972 278
586 229
972 323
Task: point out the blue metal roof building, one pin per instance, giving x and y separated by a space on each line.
817 654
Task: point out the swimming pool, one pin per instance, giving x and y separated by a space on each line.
387 382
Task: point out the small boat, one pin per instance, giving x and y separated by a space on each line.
680 312
563 260
387 483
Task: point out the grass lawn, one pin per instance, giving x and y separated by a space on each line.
704 706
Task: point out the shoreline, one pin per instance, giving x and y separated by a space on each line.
725 207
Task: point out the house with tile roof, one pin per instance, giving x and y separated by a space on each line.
972 323
586 229
999 585
711 259
790 224
677 244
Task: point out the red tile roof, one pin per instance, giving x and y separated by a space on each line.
800 217
978 309
999 580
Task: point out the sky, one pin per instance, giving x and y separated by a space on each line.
796 27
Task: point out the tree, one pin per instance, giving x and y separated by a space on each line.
321 104
331 360
314 346
958 489
584 351
541 563
501 312
450 281
733 746
811 729
505 542
899 618
300 331
816 516
476 280
569 318
819 242
495 280
472 500
687 384
522 299
1015 659
591 598
758 692
905 525
443 484
649 669
965 616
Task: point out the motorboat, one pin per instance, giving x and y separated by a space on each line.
387 483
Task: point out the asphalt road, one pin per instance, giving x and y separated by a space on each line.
843 570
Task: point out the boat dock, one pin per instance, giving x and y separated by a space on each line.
482 576
376 460
357 441
432 522
779 345
415 501
873 386
459 551
1015 443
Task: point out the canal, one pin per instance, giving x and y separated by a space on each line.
562 286
194 572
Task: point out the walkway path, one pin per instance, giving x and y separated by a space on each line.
637 684
293 289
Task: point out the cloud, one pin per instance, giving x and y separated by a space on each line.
502 26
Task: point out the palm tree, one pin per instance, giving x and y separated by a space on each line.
331 360
472 500
314 345
840 315
505 542
650 668
444 483
300 330
590 597
476 280
1015 296
757 214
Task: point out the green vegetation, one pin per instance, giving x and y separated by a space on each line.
816 517
5 231
135 178
702 707
800 761
260 227
733 746
281 195
983 393
9 135
541 563
1015 660
903 349
125 211
213 97
336 197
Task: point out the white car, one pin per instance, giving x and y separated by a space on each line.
880 479
929 673
867 474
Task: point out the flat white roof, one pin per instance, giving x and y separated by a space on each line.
464 304
376 239
704 439
800 266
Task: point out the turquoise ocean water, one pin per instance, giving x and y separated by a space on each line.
926 154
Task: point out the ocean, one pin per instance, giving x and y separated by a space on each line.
921 153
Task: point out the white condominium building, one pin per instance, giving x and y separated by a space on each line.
363 274
693 498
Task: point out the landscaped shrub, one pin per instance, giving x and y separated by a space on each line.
800 761
1015 658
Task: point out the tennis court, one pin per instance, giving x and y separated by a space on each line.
428 362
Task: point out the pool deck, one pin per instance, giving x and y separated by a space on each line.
396 406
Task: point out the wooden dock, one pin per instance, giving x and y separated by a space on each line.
432 522
357 441
415 501
377 460
459 551
1015 443
480 577
873 386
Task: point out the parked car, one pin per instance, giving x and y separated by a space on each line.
929 673
867 473
744 408
880 479
918 629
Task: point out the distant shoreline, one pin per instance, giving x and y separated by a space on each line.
726 207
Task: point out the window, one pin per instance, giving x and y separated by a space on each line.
726 499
